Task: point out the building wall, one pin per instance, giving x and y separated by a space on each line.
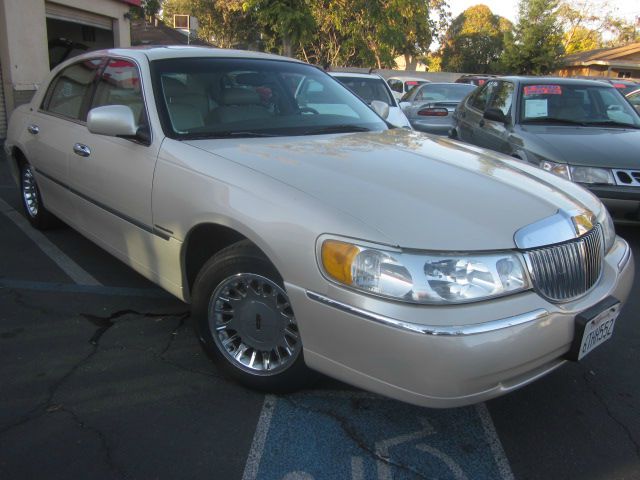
24 55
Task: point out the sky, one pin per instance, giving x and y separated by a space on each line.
628 9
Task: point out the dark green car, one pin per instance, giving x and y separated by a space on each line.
582 130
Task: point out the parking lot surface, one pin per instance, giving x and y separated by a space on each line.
101 377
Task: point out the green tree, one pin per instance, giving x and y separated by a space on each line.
535 47
580 39
474 41
222 22
287 22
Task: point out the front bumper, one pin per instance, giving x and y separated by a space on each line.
622 202
445 356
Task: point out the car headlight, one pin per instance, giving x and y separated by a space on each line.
592 175
608 229
429 278
560 169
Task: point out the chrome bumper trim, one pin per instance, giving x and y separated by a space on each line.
433 330
625 256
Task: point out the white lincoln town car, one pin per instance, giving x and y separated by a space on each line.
309 235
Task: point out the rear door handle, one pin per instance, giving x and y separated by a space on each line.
82 150
33 129
481 123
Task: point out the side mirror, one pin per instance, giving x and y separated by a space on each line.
113 121
381 108
405 105
495 114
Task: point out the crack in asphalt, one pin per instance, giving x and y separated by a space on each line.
355 438
172 336
610 414
104 443
103 324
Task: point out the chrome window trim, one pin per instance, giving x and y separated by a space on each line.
433 330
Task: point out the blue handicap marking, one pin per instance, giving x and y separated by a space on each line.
359 436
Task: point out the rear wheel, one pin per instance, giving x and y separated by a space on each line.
34 209
245 321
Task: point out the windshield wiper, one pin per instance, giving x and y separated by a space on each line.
611 123
564 121
336 129
226 134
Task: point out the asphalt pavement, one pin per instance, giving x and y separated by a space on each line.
101 377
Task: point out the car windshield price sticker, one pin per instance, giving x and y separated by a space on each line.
534 108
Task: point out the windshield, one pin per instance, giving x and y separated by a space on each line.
584 105
222 97
440 92
368 88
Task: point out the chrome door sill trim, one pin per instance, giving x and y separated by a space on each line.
433 330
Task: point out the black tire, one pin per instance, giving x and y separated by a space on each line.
39 217
227 274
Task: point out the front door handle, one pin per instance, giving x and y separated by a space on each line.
82 150
33 129
481 123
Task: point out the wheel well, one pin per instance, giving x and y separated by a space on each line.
203 242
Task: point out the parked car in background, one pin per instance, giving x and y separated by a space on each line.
430 107
307 235
402 84
625 86
474 79
371 87
581 130
634 99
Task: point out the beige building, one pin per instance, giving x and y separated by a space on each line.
35 35
618 62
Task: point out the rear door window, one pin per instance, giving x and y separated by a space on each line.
68 93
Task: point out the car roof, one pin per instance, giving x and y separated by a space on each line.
532 80
160 52
355 75
406 78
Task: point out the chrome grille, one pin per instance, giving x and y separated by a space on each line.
567 270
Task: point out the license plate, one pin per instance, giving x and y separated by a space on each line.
594 327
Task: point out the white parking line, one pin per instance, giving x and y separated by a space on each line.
68 266
494 442
259 438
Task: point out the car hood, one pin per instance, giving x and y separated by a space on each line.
419 191
586 146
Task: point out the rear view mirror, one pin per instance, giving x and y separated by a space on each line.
495 114
381 108
113 121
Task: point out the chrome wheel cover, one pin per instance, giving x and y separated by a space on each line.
30 192
253 325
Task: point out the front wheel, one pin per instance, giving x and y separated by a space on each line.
34 209
245 321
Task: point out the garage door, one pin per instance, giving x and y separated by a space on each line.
3 110
68 14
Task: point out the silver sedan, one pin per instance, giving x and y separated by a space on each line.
430 107
308 236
